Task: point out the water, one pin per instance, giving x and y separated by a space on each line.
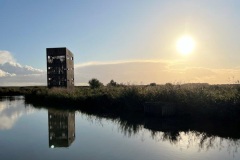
30 132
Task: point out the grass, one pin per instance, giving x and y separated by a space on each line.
197 100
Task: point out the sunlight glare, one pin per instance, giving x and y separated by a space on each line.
185 45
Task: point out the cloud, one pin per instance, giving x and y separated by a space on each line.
9 66
3 74
95 63
6 56
11 111
24 80
15 74
127 72
147 71
18 69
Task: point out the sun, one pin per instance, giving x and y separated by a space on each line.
185 45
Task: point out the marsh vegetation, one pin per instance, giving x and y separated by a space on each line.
197 100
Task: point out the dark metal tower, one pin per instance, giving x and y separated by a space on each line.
60 69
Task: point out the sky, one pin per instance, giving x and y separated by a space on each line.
131 42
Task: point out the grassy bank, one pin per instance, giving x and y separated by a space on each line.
196 100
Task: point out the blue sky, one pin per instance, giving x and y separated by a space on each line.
123 31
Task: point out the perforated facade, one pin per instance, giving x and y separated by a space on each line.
60 68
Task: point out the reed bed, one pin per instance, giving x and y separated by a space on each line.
212 100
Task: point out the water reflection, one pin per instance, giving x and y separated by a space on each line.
11 109
185 133
205 134
61 128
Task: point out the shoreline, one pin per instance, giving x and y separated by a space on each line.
209 101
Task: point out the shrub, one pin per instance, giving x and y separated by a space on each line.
153 84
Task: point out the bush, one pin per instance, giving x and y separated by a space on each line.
95 83
153 84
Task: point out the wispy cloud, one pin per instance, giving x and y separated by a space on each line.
24 80
145 72
97 63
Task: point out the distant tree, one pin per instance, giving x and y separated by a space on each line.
112 83
94 83
152 84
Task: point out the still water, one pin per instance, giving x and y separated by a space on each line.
30 132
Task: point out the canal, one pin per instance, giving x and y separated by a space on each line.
38 132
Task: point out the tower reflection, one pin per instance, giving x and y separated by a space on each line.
61 128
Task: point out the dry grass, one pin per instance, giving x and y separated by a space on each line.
198 99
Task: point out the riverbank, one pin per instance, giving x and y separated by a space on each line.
220 101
